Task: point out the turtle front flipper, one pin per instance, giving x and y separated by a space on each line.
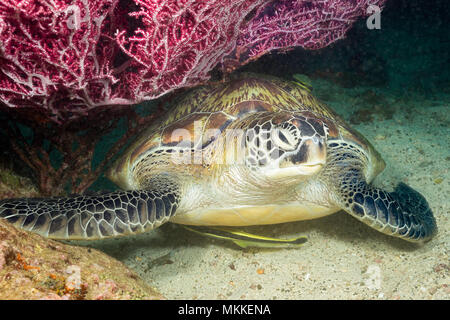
402 213
92 217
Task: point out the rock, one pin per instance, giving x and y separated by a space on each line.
14 185
33 267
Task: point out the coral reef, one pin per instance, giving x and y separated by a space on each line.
32 267
14 185
62 59
73 142
286 24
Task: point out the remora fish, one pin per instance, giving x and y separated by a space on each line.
244 239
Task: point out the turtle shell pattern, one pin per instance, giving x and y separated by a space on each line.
216 106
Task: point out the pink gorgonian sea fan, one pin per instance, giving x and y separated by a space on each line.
62 58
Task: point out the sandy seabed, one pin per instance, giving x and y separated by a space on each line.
343 258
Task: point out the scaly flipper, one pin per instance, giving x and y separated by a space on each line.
403 213
92 217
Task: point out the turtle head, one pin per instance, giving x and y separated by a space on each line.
286 146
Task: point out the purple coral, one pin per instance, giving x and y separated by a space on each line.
64 58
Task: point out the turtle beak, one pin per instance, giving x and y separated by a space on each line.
311 154
307 160
310 168
293 171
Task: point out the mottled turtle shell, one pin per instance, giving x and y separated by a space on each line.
216 106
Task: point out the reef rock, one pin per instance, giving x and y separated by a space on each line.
33 267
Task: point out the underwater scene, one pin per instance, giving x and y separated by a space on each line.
225 150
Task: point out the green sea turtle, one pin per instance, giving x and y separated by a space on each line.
254 150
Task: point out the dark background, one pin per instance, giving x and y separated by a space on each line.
411 51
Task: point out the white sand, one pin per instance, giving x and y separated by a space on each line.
343 259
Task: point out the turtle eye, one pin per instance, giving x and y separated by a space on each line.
284 139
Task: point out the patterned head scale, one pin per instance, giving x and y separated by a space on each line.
285 143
